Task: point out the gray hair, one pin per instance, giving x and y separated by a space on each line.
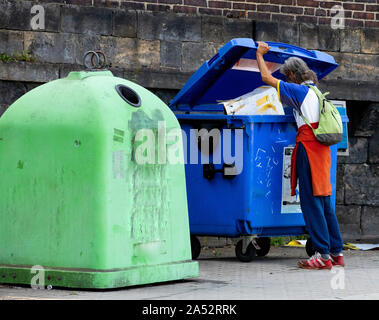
299 69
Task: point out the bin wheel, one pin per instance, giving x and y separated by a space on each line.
309 247
264 244
195 247
249 255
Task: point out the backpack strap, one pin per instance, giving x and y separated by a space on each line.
321 96
321 99
306 121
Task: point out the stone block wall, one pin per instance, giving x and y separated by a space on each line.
357 190
160 51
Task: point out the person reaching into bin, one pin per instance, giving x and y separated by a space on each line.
310 161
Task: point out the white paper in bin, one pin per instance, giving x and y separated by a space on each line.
263 100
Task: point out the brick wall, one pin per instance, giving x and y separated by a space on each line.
357 13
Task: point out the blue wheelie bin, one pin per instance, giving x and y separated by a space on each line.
237 166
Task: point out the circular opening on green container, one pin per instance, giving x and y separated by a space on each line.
129 95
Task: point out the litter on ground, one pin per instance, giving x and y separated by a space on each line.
346 246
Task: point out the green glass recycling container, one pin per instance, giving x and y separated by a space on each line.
75 203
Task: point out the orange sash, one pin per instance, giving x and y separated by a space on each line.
319 162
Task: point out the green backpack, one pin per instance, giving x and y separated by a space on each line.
330 129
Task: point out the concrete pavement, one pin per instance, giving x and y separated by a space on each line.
222 276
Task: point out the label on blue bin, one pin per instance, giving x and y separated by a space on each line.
290 204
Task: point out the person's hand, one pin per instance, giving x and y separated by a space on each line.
263 48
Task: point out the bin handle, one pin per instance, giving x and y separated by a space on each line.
97 60
213 59
236 128
276 46
209 171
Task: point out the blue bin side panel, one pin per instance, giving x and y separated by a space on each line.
215 205
343 145
268 145
251 202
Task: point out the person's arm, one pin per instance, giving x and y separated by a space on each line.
263 48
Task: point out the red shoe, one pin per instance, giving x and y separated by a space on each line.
337 260
315 262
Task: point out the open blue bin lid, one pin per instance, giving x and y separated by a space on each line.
233 72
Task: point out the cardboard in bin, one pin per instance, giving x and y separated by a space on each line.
261 101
